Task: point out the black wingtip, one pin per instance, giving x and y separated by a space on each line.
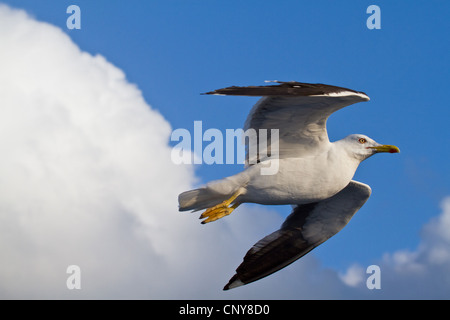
233 283
225 91
283 88
227 286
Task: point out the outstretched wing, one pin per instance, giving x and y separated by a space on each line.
298 110
304 229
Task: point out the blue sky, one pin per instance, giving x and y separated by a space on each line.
175 50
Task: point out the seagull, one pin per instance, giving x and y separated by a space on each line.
314 175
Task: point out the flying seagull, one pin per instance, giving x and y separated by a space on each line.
314 175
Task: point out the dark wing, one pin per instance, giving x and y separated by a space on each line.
298 110
305 228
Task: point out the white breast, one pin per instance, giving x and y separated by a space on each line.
302 180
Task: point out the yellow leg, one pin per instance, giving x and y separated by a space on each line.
221 210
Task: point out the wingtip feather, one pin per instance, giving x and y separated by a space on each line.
233 283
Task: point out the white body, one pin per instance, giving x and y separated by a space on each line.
298 180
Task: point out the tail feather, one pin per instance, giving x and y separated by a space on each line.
199 199
211 194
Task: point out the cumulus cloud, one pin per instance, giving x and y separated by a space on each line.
413 274
84 167
86 178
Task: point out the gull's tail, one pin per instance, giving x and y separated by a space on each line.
199 199
212 194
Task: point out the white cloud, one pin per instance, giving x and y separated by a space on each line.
86 171
354 276
413 274
86 178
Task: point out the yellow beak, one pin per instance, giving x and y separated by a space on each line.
386 148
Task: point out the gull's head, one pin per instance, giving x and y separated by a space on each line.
362 147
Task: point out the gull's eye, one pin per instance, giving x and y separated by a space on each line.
362 140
